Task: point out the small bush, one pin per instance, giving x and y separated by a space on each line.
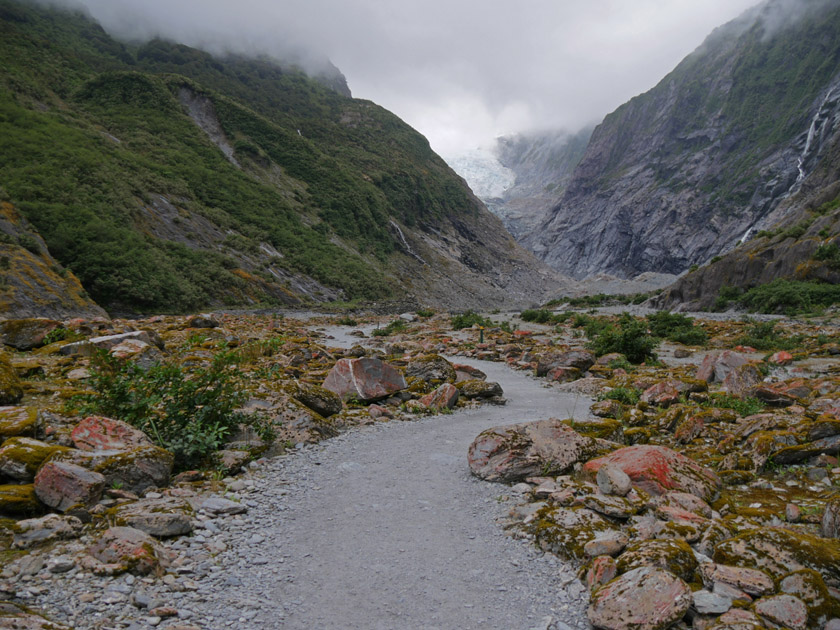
765 336
829 254
624 395
541 316
469 319
629 337
790 297
425 312
396 326
676 327
347 321
743 406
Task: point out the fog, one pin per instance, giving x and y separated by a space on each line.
460 71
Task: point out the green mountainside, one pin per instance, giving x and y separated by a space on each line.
167 179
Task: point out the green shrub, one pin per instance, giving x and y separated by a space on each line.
190 414
629 336
676 327
396 326
538 316
469 319
624 395
425 312
743 406
790 297
765 336
829 254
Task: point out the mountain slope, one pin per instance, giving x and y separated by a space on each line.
167 179
681 173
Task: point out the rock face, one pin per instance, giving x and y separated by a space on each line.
366 379
641 599
682 172
658 470
512 453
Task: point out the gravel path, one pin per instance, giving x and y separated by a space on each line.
384 527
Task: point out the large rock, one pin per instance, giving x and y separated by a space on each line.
96 433
62 485
658 470
566 532
432 369
139 352
123 549
476 389
778 551
367 379
808 586
320 400
19 501
89 346
20 457
163 517
15 421
444 397
784 611
674 556
31 532
742 380
576 358
751 581
717 365
28 333
135 470
11 390
642 599
515 452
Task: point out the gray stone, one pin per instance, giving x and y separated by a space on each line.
220 505
612 480
707 603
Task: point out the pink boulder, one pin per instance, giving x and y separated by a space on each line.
444 396
96 433
366 379
62 485
658 470
125 549
717 365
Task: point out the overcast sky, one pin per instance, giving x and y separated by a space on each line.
460 71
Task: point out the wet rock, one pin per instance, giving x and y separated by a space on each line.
783 610
444 397
31 532
808 586
751 581
367 379
164 517
831 518
566 532
674 556
19 501
11 390
612 480
97 433
741 381
89 346
658 470
20 457
320 400
476 390
134 470
122 549
718 365
26 334
432 369
16 421
62 485
643 599
515 452
778 551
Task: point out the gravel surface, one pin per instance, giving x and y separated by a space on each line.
384 527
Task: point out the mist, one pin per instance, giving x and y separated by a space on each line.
460 71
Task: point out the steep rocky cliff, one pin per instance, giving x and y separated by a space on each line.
685 171
168 179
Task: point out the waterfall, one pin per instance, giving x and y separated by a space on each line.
405 243
746 236
816 121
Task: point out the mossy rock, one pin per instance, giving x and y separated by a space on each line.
672 555
19 501
20 457
28 333
602 428
431 368
322 401
15 421
565 532
477 389
779 551
638 435
11 390
809 586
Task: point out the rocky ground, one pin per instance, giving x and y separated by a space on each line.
702 485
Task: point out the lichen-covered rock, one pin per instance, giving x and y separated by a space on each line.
579 359
740 381
136 470
432 369
11 390
831 518
14 617
444 397
658 470
808 586
674 556
478 389
565 532
612 480
646 598
610 544
320 400
139 352
778 551
62 485
366 379
164 517
15 421
786 611
601 570
31 532
202 321
19 501
97 433
468 373
27 333
20 457
122 549
717 365
515 452
751 581
601 428
738 619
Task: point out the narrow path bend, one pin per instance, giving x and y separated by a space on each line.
384 527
